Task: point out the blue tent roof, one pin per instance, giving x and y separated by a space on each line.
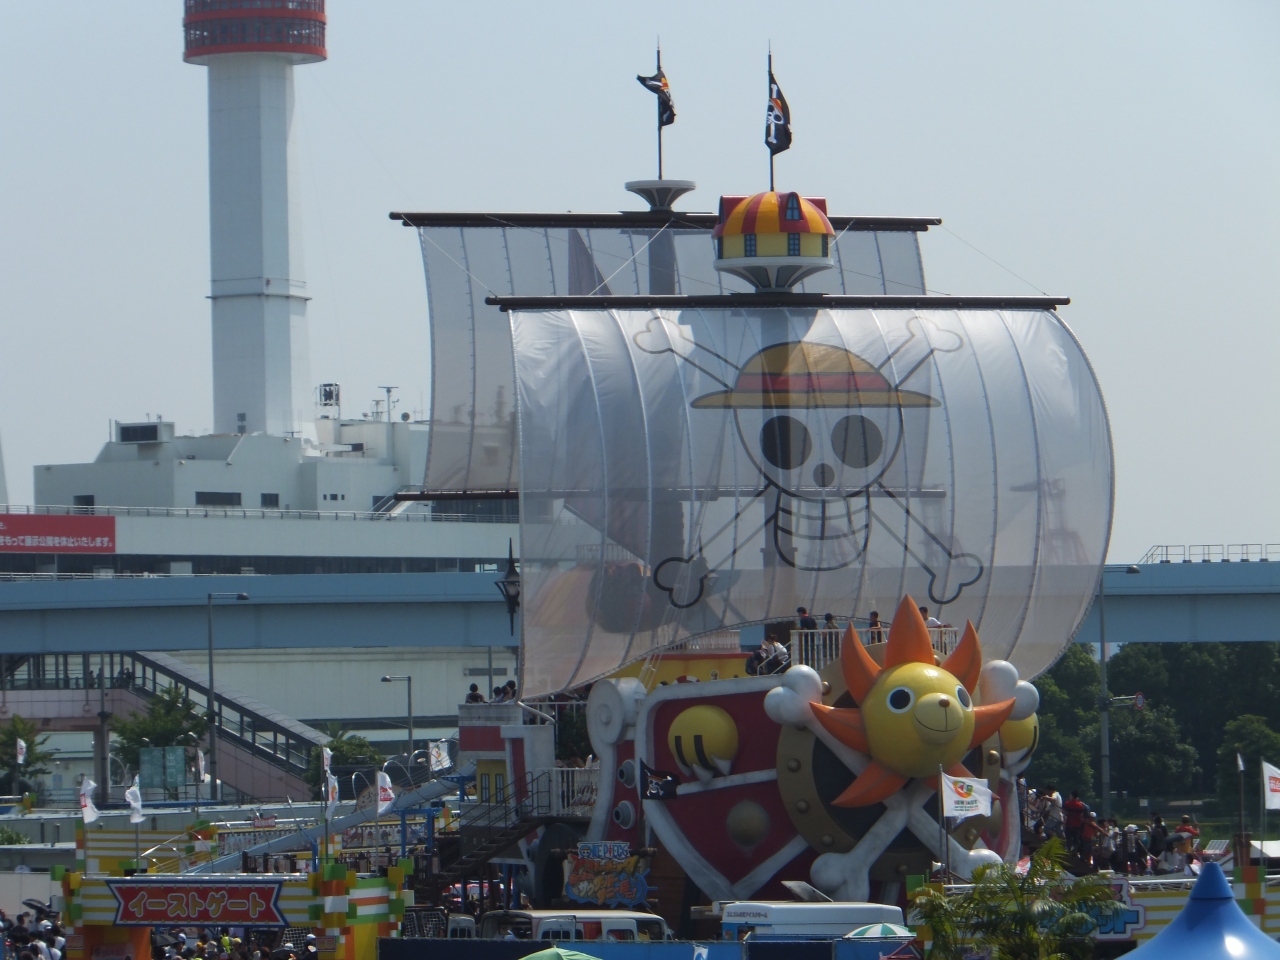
1210 927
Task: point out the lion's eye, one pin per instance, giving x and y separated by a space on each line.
900 700
963 696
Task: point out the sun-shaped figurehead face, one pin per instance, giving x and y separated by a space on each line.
913 716
818 421
918 716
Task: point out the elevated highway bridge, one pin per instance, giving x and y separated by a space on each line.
59 619
1160 603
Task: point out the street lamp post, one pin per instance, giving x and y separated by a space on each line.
1104 694
409 708
212 711
509 587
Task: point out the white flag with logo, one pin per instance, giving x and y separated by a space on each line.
200 774
965 797
87 809
1239 762
134 796
326 757
22 750
1271 786
331 794
386 796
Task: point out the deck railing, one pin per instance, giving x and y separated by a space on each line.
817 648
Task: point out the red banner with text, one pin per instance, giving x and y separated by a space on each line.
150 903
27 533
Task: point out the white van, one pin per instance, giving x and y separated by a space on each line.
793 920
461 927
573 924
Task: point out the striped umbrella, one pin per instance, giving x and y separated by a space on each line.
880 931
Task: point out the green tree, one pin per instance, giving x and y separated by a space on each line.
1073 695
572 739
1148 752
171 720
10 837
1060 759
1045 914
1250 737
348 749
1068 708
1244 679
38 759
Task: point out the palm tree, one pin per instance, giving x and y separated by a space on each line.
1044 914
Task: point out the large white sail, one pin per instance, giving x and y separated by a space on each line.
683 471
468 257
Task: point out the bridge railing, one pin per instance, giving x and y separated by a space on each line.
1211 553
244 513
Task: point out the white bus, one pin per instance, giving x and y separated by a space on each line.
787 920
573 924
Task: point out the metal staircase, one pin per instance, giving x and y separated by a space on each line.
485 830
263 753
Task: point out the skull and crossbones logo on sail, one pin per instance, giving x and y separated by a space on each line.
838 446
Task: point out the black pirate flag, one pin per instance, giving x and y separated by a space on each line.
658 84
777 119
657 784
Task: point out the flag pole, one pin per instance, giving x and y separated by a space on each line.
942 825
771 155
659 117
1241 779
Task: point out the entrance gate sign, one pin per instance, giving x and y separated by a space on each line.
145 903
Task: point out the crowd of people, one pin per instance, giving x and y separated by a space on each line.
223 944
40 937
27 938
507 693
1100 844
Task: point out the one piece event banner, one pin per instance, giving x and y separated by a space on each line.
41 533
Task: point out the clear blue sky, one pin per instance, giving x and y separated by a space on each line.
1122 154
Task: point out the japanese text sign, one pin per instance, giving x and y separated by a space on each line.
23 533
144 903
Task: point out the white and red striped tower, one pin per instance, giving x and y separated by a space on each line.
261 377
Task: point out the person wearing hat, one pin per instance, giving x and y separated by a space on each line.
1185 834
309 951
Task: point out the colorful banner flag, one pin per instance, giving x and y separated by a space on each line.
331 794
326 758
386 796
134 796
965 797
87 809
1271 786
22 751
